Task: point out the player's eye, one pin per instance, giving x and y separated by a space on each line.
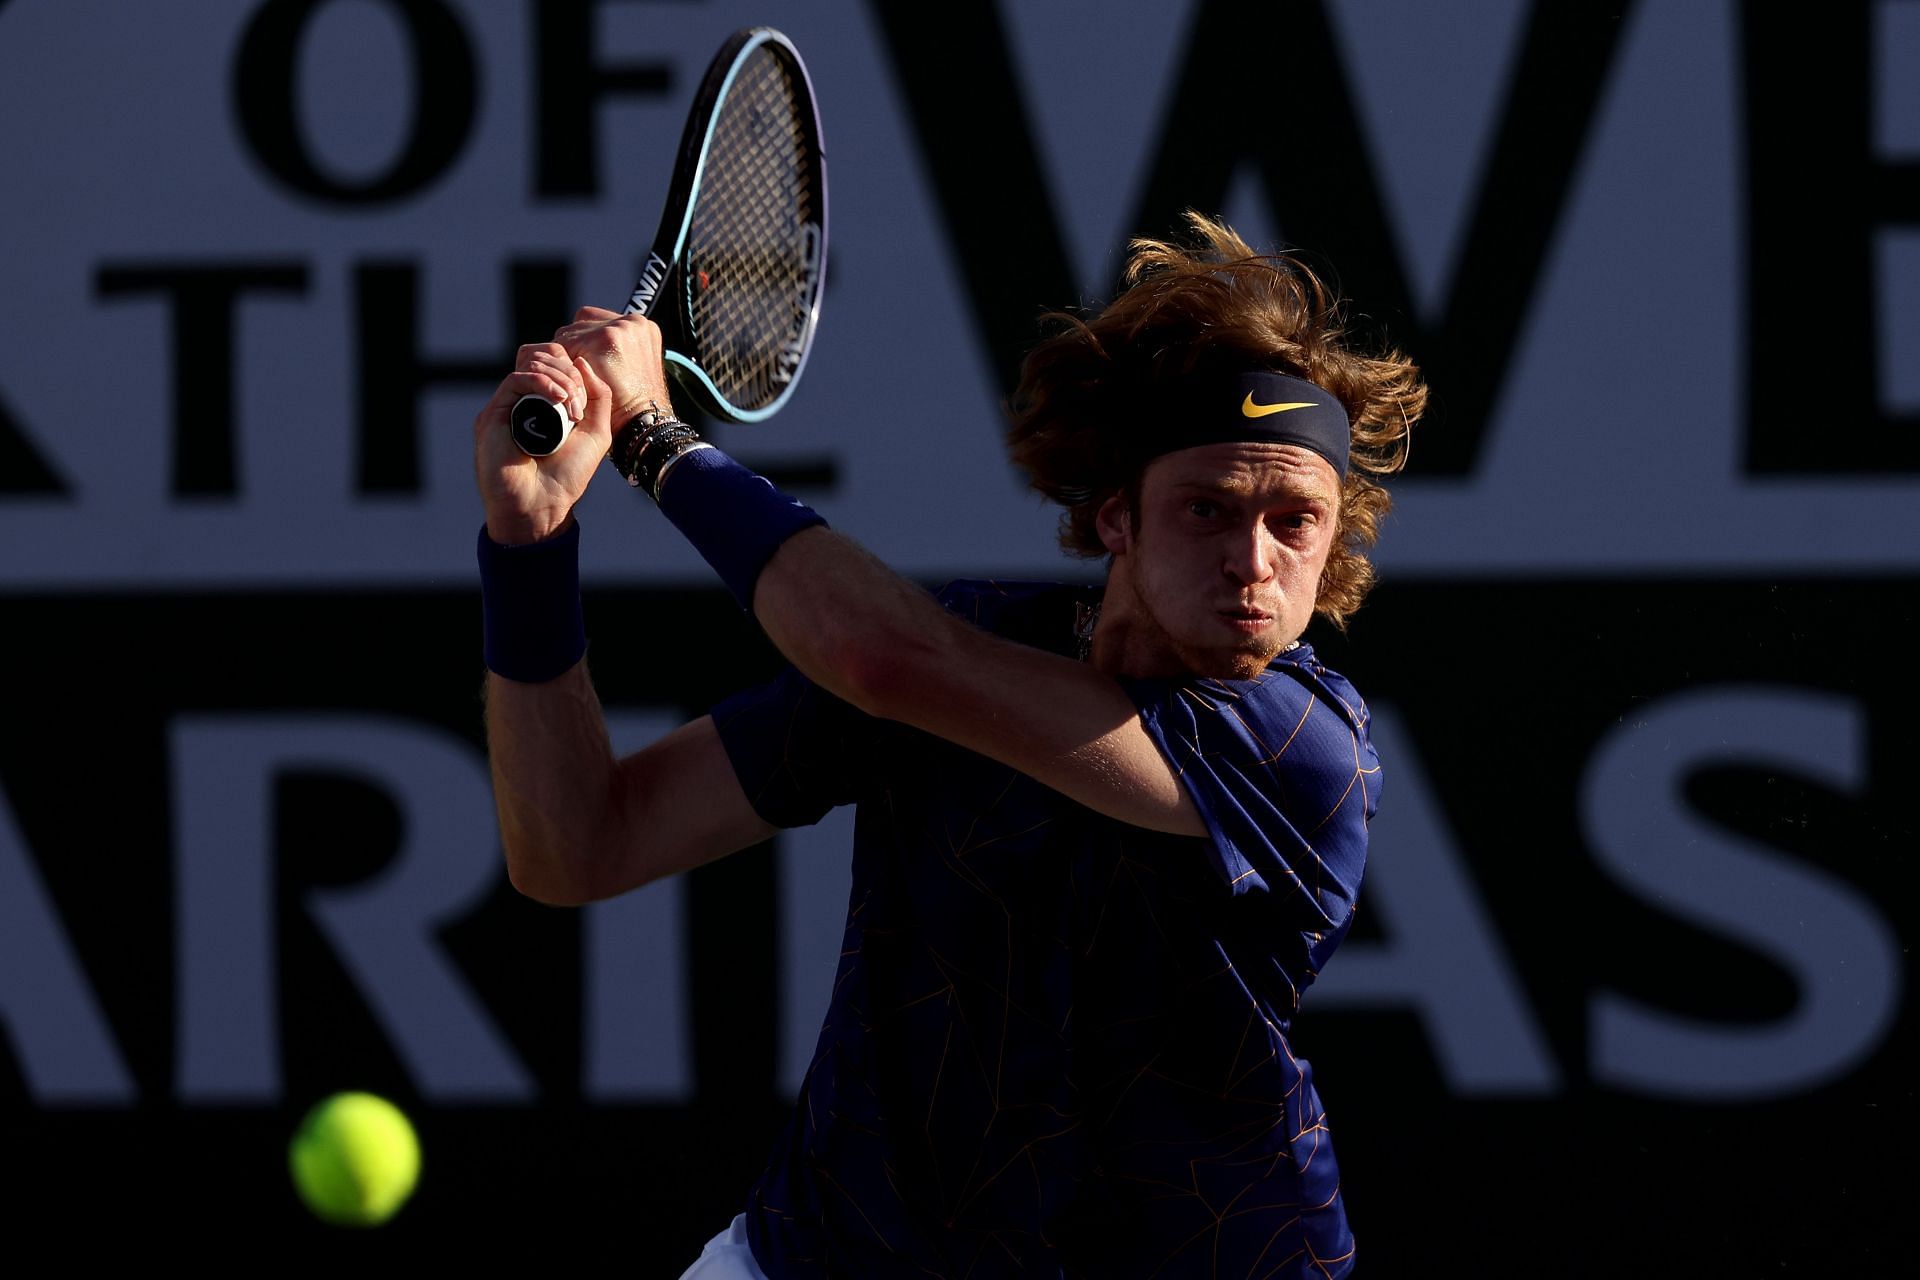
1202 509
1294 521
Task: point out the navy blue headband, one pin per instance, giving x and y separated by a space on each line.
1262 405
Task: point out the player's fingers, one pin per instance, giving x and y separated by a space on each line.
595 340
627 340
534 382
556 364
634 322
534 353
596 416
608 331
596 386
641 332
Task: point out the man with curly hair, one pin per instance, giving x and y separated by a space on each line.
1106 836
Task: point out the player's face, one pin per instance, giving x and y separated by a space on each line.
1219 568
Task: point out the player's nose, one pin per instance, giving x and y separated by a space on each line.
1248 557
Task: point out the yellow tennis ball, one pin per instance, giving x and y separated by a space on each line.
355 1159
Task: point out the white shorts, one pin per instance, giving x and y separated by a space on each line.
726 1256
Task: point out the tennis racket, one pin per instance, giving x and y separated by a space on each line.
734 275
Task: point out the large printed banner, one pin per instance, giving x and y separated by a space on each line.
1630 989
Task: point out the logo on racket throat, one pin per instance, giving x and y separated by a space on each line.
651 277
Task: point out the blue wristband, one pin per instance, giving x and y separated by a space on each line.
530 597
735 519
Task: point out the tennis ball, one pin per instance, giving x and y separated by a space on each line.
355 1159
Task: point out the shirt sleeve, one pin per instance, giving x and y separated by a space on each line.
1283 774
797 750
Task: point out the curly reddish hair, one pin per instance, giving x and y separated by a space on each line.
1081 428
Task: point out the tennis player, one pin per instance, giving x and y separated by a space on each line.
1106 836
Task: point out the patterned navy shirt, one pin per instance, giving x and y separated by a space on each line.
1057 1044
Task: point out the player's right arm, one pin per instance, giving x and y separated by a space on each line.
577 823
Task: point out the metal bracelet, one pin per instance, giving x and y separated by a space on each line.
668 462
649 443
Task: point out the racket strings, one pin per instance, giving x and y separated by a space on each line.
753 242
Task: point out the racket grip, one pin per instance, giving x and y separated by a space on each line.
539 425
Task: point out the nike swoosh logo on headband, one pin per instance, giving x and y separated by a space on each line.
1248 409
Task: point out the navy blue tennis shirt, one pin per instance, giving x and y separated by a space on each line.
1057 1043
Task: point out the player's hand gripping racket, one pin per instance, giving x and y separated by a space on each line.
733 278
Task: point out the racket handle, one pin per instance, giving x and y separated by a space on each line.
539 425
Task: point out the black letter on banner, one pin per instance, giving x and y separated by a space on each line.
1321 183
1227 106
567 83
22 469
993 194
393 370
203 301
1815 199
443 100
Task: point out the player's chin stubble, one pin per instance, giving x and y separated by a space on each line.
1242 662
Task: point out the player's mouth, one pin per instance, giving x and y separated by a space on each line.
1247 619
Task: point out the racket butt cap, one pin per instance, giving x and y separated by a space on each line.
539 425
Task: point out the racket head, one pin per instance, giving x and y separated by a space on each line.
737 268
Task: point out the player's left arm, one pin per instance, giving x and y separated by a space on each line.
880 642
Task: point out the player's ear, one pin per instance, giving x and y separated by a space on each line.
1114 523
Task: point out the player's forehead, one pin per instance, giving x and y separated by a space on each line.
1252 469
